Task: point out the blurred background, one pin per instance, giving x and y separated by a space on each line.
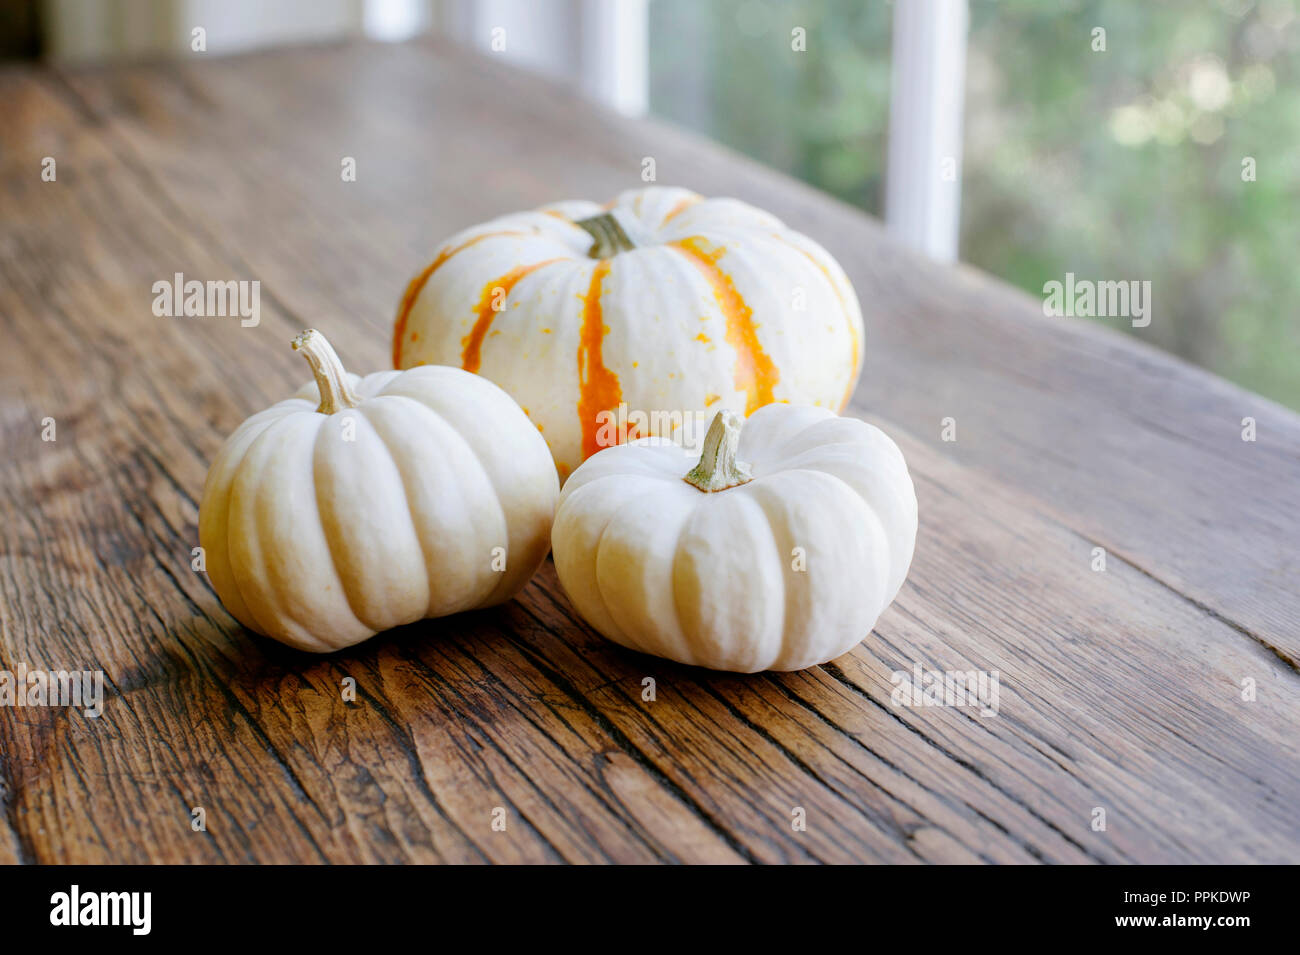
1009 134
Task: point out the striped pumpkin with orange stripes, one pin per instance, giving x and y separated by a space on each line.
662 301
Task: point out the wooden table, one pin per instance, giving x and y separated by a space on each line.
1120 690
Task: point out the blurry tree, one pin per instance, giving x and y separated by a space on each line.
1133 162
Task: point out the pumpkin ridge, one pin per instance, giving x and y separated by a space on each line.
796 463
632 643
598 388
746 500
472 344
773 510
848 315
595 539
332 541
417 284
891 559
653 490
680 206
759 495
230 473
275 592
885 572
690 636
755 373
403 482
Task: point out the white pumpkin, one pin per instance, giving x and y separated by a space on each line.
661 301
778 550
365 503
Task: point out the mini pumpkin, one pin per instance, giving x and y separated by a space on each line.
777 550
364 503
662 301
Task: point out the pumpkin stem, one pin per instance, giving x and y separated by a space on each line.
331 380
718 468
609 234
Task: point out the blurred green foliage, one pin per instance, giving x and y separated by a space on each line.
1125 163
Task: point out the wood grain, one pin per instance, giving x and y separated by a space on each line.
1120 690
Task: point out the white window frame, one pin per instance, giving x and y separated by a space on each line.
928 73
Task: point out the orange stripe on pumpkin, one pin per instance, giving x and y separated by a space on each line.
598 387
472 344
681 206
417 284
756 374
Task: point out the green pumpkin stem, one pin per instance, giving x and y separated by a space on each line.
331 380
609 235
718 468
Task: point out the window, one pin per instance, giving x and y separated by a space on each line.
1166 148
